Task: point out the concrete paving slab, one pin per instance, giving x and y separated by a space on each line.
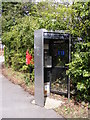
50 103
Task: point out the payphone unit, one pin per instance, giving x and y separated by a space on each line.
51 53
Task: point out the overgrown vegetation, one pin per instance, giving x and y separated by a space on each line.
79 67
19 20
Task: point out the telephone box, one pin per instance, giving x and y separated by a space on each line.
51 54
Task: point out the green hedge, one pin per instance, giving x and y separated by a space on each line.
19 20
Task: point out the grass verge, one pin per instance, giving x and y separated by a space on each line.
18 78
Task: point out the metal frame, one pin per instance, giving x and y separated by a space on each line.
39 67
68 85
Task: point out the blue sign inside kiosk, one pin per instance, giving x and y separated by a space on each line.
61 53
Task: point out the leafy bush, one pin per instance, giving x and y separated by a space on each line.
19 20
27 80
80 72
79 66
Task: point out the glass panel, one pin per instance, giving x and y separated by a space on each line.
59 52
59 80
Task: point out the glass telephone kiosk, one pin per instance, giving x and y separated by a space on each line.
52 53
56 55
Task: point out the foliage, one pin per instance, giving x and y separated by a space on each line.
80 72
54 17
17 40
10 13
80 20
79 66
19 20
27 80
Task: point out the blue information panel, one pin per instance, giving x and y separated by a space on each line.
61 53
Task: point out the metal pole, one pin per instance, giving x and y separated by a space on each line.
69 61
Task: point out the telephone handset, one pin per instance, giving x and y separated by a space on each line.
48 61
47 57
